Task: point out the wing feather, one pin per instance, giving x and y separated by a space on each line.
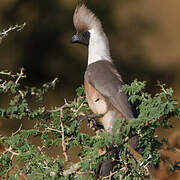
103 76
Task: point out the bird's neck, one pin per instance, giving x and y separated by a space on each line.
98 47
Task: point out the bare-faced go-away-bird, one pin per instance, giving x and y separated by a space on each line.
103 83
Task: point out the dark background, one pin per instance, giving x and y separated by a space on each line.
144 39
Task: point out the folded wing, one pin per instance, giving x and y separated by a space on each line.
104 77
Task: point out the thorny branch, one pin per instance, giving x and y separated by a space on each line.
20 75
16 132
55 130
17 27
113 173
10 150
63 136
12 75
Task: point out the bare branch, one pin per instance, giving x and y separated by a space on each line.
72 169
17 27
55 130
17 130
20 75
63 136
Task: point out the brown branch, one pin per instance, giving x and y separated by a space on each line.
84 172
113 173
63 136
55 130
4 33
72 169
20 75
14 133
132 156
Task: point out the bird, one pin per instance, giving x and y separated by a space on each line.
103 83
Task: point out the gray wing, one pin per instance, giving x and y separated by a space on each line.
103 76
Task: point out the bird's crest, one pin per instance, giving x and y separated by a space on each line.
84 19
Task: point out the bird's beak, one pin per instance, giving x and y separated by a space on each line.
75 39
80 38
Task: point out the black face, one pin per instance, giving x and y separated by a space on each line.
82 38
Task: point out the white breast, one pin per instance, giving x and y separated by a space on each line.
98 48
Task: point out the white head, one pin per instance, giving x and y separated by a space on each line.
90 33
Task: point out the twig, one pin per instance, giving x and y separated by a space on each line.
21 93
55 130
63 136
113 173
59 108
54 81
13 153
17 27
7 74
20 75
142 164
54 110
40 148
72 169
84 172
14 133
3 85
77 110
22 176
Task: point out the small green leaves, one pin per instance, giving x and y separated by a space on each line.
61 127
49 85
80 91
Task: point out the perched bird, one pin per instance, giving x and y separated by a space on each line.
103 83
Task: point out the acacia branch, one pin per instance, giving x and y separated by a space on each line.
17 27
63 136
20 127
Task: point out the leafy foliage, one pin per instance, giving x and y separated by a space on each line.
21 157
61 127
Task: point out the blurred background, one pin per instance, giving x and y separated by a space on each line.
144 39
